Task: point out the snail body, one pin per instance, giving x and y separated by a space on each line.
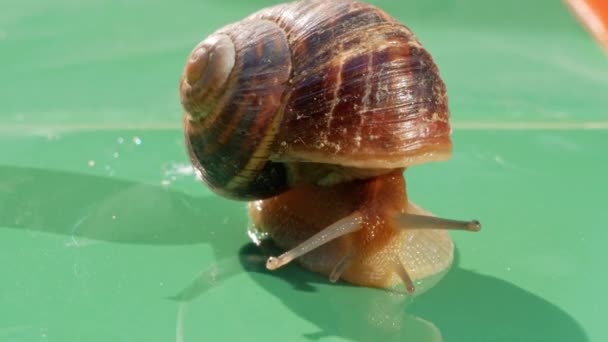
377 252
317 101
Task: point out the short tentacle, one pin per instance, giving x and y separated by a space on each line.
405 277
340 267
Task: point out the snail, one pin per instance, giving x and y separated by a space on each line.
311 111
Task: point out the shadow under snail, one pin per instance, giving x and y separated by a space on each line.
311 111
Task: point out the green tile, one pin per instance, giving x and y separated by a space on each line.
118 62
85 239
105 235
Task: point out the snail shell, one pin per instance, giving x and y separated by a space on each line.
311 92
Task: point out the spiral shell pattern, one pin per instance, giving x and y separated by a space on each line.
230 119
337 83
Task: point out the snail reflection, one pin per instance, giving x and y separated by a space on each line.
312 111
375 314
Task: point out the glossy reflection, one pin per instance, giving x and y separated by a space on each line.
469 306
76 244
87 207
465 306
354 313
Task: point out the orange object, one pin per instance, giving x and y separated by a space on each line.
593 14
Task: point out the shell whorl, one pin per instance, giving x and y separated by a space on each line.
230 119
206 73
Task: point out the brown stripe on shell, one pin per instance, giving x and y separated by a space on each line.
312 98
225 144
391 109
349 100
300 18
408 106
319 47
314 29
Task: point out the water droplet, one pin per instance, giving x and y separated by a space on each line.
199 174
165 182
116 155
44 333
52 136
137 140
178 169
91 163
113 217
120 140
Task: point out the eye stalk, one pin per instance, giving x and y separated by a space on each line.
205 75
414 221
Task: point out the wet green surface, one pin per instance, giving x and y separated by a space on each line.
105 235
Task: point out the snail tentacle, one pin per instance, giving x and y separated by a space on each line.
340 267
342 227
401 272
415 221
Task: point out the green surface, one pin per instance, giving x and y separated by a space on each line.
101 220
